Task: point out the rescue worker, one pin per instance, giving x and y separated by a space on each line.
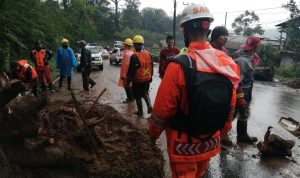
219 37
245 59
41 56
140 73
166 55
190 155
123 81
86 66
23 71
183 50
65 62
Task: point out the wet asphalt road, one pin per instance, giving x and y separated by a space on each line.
270 102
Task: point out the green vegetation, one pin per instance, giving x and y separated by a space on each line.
291 43
242 24
269 55
292 30
24 22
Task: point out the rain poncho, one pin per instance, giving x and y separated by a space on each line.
65 61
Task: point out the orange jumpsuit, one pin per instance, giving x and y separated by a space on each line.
189 159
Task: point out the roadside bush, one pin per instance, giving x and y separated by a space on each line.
269 55
286 72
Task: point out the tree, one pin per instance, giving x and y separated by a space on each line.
116 4
269 55
293 30
244 22
156 20
131 17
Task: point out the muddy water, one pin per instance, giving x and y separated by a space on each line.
269 104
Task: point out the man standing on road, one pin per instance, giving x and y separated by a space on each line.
219 37
140 73
41 56
65 62
123 81
166 55
85 65
195 98
246 58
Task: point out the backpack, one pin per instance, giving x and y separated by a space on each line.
209 100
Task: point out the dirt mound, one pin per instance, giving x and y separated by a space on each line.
62 146
294 84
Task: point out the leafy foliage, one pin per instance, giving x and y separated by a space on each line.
244 22
25 21
293 30
269 55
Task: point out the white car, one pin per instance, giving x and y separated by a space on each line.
116 56
97 61
118 44
104 53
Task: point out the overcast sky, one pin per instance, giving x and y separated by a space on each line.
269 11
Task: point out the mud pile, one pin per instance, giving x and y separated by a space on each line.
294 84
61 146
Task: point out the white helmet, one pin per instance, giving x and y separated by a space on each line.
195 11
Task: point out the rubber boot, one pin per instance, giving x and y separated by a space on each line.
43 87
69 83
51 88
139 104
60 82
242 134
148 102
225 140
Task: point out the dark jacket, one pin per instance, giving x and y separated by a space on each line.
85 58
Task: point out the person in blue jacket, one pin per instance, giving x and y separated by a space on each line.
65 62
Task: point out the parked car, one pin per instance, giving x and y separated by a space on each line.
116 56
118 44
104 53
91 45
97 62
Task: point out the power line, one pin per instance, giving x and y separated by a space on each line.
249 10
280 13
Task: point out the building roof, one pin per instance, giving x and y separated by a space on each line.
235 41
284 24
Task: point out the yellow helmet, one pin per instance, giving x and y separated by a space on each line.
138 39
64 40
128 42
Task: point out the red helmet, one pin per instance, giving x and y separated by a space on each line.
251 43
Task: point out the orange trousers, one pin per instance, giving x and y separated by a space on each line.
189 169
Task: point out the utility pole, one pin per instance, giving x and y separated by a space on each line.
225 19
174 22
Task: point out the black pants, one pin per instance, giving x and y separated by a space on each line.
35 86
140 89
69 78
128 91
86 78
